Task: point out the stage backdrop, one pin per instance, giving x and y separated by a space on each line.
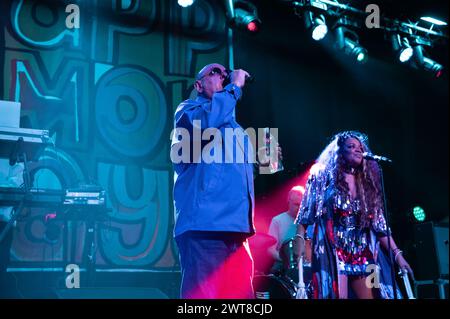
106 91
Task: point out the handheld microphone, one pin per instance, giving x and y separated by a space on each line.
378 158
248 79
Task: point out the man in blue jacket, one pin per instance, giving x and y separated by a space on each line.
214 200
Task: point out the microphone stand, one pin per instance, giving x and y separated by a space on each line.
391 257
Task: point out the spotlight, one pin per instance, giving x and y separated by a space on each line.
433 67
419 214
426 63
433 21
316 23
402 47
298 188
185 3
246 16
348 41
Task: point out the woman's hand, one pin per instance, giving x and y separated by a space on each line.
403 264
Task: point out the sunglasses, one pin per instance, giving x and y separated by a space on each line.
215 71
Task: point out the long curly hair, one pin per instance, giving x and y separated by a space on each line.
367 176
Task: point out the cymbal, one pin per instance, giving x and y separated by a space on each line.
262 240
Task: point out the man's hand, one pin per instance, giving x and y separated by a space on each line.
238 77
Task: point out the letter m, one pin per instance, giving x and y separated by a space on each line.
62 93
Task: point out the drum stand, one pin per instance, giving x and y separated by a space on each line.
301 290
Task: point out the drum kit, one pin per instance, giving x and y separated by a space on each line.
294 281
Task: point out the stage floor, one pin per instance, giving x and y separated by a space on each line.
50 283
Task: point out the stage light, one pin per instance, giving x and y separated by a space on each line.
361 54
433 21
316 24
402 47
246 16
427 64
316 168
298 188
405 54
252 26
348 41
352 48
185 3
433 67
419 214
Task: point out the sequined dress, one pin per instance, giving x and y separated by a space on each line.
340 244
351 242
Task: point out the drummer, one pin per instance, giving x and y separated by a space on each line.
283 229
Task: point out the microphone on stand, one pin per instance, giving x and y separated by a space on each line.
377 158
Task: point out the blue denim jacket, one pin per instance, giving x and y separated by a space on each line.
213 196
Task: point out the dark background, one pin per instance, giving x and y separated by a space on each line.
309 91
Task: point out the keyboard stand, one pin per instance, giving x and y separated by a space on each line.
18 154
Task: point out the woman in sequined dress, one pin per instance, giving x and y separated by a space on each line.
343 199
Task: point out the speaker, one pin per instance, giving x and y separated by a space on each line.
111 293
431 251
432 290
